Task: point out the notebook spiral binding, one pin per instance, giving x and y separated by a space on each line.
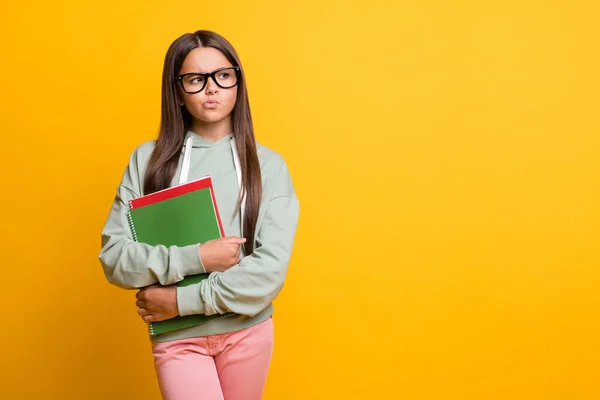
150 328
131 223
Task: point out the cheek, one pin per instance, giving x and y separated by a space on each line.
229 99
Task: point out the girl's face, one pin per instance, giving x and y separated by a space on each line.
213 103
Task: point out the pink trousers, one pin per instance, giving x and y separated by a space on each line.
230 366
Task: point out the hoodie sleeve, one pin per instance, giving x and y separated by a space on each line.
129 264
250 286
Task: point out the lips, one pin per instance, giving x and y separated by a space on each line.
210 104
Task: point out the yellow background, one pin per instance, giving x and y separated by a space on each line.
446 155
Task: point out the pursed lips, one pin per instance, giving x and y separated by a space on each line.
210 104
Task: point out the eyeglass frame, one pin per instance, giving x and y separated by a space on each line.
207 75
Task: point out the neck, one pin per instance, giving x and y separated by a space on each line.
212 131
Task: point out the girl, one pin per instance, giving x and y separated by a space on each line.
206 129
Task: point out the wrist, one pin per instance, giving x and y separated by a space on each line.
203 264
175 297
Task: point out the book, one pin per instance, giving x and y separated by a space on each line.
181 215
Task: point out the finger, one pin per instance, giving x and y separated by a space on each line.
142 311
234 240
140 295
140 303
148 318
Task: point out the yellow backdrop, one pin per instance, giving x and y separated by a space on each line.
445 154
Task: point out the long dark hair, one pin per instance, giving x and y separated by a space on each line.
175 122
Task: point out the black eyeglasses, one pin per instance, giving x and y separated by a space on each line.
195 82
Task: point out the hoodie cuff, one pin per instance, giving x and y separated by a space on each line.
189 301
189 260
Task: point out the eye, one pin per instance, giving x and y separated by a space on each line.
198 79
224 75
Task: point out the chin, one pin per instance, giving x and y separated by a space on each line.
211 118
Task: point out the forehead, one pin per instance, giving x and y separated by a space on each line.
204 59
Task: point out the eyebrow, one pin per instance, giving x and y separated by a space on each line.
206 72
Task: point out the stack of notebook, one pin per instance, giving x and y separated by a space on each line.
182 215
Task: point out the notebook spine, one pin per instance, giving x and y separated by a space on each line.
132 227
130 219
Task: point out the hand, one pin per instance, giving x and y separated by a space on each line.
221 254
157 303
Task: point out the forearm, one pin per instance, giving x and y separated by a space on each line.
130 265
250 286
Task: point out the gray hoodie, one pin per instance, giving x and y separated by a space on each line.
246 289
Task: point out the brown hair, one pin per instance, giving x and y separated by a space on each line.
175 122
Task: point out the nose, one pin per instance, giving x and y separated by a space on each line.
211 86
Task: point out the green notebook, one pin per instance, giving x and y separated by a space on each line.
178 216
